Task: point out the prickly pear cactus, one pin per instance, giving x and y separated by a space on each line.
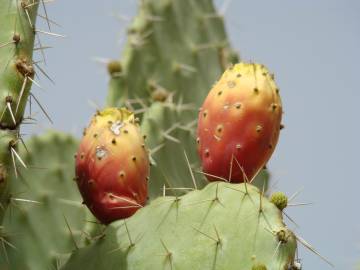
224 226
17 20
176 50
45 218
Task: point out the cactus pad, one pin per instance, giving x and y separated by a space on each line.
224 226
45 216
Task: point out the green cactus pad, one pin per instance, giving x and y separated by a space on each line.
224 226
43 204
17 20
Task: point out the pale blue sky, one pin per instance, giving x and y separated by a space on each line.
313 48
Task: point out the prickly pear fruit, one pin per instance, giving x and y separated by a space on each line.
112 165
239 123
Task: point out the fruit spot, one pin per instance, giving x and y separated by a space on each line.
219 93
133 158
115 127
219 128
237 105
238 146
100 152
231 84
113 141
274 106
122 174
258 128
226 106
205 113
197 140
126 131
238 75
207 153
281 126
256 90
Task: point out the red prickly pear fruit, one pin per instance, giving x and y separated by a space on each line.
239 123
112 165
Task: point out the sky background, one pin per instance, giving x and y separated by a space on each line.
313 49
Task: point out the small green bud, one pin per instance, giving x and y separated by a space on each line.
279 199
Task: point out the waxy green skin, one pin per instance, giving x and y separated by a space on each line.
224 226
16 71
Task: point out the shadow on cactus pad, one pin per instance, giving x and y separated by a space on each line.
45 218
